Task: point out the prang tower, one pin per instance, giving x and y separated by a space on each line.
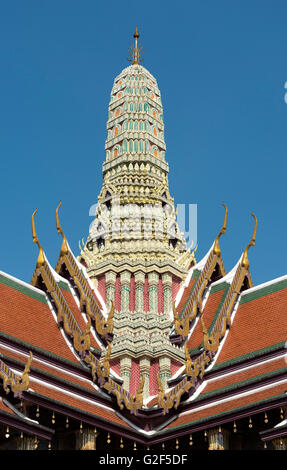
135 253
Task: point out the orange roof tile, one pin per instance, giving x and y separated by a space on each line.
250 373
259 323
185 295
208 314
232 405
30 319
76 402
47 368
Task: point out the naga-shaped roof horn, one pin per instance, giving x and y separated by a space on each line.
216 247
64 247
41 257
245 260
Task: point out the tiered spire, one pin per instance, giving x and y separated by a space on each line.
135 196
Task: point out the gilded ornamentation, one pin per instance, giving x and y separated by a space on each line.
87 300
81 341
41 256
195 368
172 398
124 398
14 382
245 261
181 325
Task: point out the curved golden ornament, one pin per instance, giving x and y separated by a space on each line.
10 379
104 326
82 342
245 260
216 247
173 397
194 304
64 248
41 257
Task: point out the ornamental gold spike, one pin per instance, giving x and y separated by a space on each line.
136 52
64 248
216 247
245 260
41 257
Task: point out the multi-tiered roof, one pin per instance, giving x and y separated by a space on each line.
133 343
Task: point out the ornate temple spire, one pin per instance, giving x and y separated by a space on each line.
135 180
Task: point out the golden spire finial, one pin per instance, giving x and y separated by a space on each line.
136 52
64 248
216 247
245 261
41 257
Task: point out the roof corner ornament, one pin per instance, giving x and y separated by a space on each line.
245 260
216 247
136 52
10 379
64 247
41 257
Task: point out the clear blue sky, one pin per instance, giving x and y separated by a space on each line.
221 68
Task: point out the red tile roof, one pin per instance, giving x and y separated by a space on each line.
247 374
31 321
208 314
258 324
234 405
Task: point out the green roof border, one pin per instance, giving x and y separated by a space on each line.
258 293
250 355
18 286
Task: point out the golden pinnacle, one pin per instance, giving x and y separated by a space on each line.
265 418
67 422
234 427
250 423
7 435
121 443
108 438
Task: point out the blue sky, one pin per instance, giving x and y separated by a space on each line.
221 68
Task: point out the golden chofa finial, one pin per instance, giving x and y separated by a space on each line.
64 248
136 52
216 247
41 257
245 260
